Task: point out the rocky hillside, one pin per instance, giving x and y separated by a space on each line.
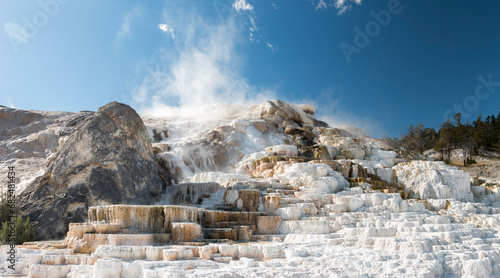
67 162
92 159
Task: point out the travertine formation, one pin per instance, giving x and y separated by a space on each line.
398 236
272 192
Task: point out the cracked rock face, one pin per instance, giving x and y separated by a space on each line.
108 159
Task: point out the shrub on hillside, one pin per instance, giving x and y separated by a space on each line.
469 161
24 231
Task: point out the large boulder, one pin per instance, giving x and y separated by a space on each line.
108 159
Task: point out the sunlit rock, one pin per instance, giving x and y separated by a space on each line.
185 231
217 219
434 180
150 219
290 213
244 233
249 199
268 224
285 150
271 203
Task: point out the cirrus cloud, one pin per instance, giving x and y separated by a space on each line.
341 5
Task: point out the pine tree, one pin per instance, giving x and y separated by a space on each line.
447 138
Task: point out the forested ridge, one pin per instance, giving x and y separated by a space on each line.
483 133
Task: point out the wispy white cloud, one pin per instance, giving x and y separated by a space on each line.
272 47
167 29
242 5
345 5
321 5
127 20
274 6
341 5
253 28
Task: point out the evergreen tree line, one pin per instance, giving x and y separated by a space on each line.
452 134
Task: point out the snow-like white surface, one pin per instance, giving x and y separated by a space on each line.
317 178
286 150
327 229
218 177
372 235
434 180
242 133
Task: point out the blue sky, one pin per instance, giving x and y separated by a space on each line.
359 67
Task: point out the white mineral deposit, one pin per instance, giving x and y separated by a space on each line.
246 202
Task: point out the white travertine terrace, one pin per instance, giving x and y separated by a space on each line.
434 180
271 211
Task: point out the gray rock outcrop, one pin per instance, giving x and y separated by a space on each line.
107 159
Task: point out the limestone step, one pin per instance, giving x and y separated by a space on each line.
368 232
51 245
221 259
284 192
69 271
79 271
227 207
335 241
106 228
226 224
268 237
95 240
206 241
149 253
197 242
220 233
186 253
210 218
62 259
307 238
309 227
147 219
53 271
121 252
